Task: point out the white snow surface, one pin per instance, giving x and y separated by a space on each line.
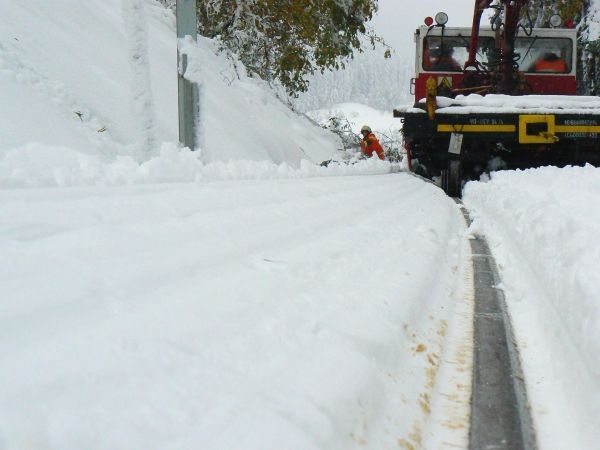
38 165
235 297
297 314
543 226
242 296
498 103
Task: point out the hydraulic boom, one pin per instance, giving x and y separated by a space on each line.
506 22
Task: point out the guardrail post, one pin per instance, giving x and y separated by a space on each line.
189 111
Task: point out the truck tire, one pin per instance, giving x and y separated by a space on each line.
451 179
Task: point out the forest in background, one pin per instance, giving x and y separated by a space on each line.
370 79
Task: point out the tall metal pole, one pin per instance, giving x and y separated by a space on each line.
189 111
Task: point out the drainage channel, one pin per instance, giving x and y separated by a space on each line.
500 413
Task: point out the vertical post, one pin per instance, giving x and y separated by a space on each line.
189 112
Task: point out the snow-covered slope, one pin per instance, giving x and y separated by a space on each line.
99 77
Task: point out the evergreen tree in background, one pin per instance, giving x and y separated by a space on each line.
287 40
590 46
370 79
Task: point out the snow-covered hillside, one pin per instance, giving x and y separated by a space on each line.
99 78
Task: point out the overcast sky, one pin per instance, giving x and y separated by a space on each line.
397 20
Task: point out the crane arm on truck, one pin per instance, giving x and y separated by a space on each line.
508 14
480 7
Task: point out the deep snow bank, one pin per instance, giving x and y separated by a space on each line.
36 165
99 77
544 228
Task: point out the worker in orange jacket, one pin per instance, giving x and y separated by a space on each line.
551 63
369 143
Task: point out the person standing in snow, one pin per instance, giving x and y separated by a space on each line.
369 143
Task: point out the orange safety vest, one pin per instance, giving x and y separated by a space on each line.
556 66
370 144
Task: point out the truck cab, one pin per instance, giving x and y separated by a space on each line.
546 59
497 97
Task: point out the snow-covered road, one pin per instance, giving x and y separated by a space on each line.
328 313
303 308
297 313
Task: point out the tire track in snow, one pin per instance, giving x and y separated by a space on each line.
272 226
445 398
480 340
451 394
342 266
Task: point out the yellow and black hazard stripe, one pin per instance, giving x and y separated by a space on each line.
531 128
464 128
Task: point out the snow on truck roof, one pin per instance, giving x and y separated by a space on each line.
511 104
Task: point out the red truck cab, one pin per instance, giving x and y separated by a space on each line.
546 58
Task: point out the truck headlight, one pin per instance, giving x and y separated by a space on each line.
441 18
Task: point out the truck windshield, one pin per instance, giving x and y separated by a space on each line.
544 55
449 53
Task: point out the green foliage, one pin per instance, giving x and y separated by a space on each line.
593 47
570 9
286 40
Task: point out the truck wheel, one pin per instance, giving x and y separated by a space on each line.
419 169
451 179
